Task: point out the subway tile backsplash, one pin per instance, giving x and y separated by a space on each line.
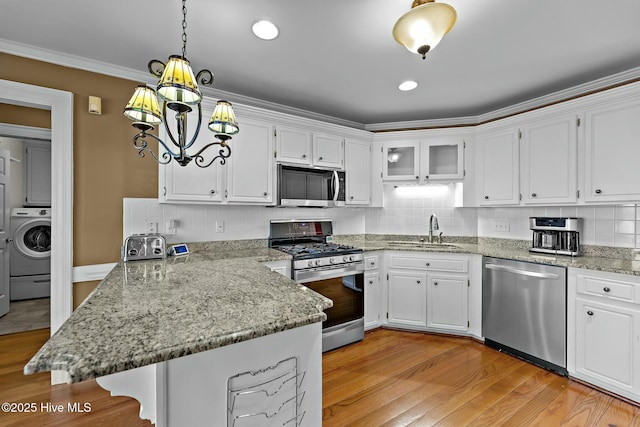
402 213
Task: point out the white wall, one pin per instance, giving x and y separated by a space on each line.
197 223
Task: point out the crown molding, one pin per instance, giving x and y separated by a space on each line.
73 61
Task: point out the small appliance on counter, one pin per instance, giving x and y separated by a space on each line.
553 235
144 246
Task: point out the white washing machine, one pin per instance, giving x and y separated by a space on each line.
30 253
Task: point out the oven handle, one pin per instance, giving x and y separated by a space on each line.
316 275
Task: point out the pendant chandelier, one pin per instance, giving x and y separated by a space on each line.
178 89
421 29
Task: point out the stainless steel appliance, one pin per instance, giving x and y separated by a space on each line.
144 246
524 311
560 236
333 270
310 187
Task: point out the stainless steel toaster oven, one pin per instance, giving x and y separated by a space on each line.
144 246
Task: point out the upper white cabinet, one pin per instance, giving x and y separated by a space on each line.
358 172
293 145
250 170
549 160
423 161
612 150
301 147
498 168
37 174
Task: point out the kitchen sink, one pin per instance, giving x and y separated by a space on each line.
419 244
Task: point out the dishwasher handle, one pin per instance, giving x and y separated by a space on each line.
521 272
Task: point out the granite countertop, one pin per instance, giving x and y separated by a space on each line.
146 312
612 260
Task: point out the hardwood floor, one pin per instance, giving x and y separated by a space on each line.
392 378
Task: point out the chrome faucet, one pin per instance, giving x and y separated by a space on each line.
433 225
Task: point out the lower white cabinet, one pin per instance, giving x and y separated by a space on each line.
604 330
428 291
407 298
372 291
282 267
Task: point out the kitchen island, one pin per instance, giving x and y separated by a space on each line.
184 334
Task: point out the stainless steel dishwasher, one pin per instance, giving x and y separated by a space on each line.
524 311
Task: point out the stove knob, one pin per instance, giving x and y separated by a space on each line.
351 258
310 263
332 261
345 259
317 262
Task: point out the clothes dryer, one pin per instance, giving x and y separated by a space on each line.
30 253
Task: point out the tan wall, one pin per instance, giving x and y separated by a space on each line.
17 115
106 166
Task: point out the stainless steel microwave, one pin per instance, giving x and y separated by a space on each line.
305 187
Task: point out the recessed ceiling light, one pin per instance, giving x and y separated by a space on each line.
408 85
265 30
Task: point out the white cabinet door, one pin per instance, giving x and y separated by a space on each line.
441 159
358 172
328 151
498 170
372 294
250 170
447 302
293 145
549 161
37 170
612 134
408 298
605 339
401 161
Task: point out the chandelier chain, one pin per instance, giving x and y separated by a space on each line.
184 28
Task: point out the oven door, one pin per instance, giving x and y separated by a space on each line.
345 320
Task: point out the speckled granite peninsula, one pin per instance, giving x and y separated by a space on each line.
146 312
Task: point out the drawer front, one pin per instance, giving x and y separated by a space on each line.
435 264
607 288
371 262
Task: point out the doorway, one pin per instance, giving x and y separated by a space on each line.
29 202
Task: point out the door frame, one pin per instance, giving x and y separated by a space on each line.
60 103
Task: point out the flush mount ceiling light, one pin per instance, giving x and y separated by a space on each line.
179 91
421 29
408 85
265 30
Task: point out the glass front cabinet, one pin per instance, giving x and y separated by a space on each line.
422 161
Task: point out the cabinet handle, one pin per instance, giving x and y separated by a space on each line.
435 283
486 197
590 313
533 194
320 158
606 289
304 156
598 191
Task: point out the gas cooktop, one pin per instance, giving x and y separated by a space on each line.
315 249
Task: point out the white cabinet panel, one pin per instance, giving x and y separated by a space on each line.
498 168
37 171
372 294
293 145
358 172
328 151
612 140
549 161
407 298
401 161
441 159
447 302
250 170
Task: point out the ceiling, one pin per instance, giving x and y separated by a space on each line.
338 57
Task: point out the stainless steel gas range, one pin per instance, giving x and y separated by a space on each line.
333 270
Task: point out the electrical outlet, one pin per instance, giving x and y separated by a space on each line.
501 226
219 226
152 227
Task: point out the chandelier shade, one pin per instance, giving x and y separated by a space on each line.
178 83
143 106
223 121
423 27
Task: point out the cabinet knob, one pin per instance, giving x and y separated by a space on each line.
417 177
428 264
320 158
418 281
426 177
598 191
590 313
265 194
435 283
371 282
486 197
304 156
533 194
213 191
606 289
351 198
